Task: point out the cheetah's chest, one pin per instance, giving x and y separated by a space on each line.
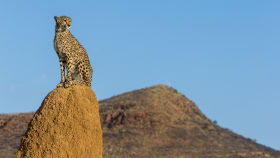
59 46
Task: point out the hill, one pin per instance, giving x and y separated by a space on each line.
151 122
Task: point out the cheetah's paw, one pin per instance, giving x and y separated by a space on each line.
70 83
60 85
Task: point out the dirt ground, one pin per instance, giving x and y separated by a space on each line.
66 125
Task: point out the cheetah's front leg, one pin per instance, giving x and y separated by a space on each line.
62 70
70 68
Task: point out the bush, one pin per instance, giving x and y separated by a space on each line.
215 122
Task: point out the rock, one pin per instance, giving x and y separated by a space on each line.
66 125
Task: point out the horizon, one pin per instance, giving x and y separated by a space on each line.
224 56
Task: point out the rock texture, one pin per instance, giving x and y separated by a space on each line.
160 122
66 125
152 122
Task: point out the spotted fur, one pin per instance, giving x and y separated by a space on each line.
72 55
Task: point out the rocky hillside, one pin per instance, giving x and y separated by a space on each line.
152 122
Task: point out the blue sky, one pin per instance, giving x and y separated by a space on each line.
223 55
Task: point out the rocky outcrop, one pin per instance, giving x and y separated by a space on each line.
66 125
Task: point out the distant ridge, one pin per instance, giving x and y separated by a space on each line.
152 122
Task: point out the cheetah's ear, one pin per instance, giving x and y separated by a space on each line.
68 20
55 18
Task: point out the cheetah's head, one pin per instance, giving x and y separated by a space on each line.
63 23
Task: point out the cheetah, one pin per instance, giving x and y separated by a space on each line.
71 54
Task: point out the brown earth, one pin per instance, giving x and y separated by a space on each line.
152 122
66 125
